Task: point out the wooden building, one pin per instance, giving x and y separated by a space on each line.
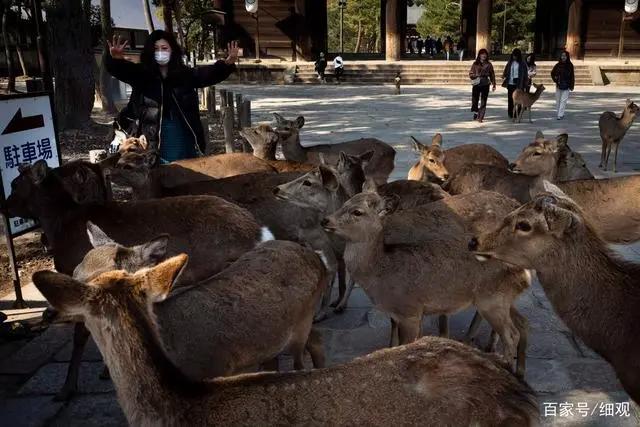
297 29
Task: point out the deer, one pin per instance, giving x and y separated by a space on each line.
524 100
245 297
428 283
379 167
431 162
579 275
613 129
264 140
402 385
65 198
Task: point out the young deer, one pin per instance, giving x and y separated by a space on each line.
433 381
264 141
523 101
613 129
379 167
227 323
437 165
65 198
595 293
428 282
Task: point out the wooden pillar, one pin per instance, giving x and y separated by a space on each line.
483 25
574 29
393 34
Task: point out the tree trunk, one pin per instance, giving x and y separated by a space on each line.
147 15
167 15
394 42
359 37
11 86
72 62
181 37
106 94
20 57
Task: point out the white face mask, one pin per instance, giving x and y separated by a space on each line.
162 57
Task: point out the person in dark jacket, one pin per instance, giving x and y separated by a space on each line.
564 78
514 77
482 76
164 104
320 66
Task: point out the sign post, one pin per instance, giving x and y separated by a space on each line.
27 134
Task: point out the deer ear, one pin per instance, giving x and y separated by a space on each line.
159 280
154 251
389 205
37 171
628 102
559 220
366 157
370 186
64 293
81 185
150 158
554 189
143 142
539 136
417 145
437 140
300 122
562 140
343 159
97 237
329 179
279 118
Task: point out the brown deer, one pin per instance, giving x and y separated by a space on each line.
428 283
524 100
613 129
65 198
405 385
245 330
264 141
594 292
435 163
379 167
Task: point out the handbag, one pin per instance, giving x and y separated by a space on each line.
475 82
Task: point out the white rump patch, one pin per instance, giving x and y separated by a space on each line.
266 235
323 258
482 258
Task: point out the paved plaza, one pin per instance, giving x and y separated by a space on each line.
575 386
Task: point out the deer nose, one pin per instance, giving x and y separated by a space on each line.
473 244
324 222
446 176
512 166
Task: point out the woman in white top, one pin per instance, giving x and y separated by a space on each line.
338 67
532 70
514 77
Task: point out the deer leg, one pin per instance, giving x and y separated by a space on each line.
473 328
80 337
394 340
345 299
341 283
492 343
443 325
409 329
606 159
530 121
499 317
602 153
522 324
615 158
315 348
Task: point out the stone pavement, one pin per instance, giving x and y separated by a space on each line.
572 382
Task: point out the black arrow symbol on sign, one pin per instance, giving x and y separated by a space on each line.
20 124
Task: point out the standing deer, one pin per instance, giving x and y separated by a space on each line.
594 292
379 167
524 100
613 129
433 381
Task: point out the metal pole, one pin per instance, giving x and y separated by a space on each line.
257 37
19 303
504 26
43 58
341 30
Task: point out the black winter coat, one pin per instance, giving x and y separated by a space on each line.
522 74
150 89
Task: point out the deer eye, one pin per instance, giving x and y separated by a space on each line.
306 183
537 154
357 212
431 161
523 226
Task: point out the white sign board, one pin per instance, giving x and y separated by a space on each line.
27 134
251 5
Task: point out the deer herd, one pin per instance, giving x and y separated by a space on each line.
220 264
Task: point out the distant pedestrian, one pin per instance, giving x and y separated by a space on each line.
448 47
338 67
462 45
482 76
532 70
321 66
429 46
419 45
438 46
515 77
564 78
396 81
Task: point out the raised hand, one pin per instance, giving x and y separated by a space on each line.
233 51
117 47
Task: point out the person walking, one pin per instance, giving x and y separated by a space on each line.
164 105
438 46
564 78
482 76
448 46
514 77
320 66
462 45
338 67
419 45
532 70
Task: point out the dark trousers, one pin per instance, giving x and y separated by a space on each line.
510 90
338 72
479 93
